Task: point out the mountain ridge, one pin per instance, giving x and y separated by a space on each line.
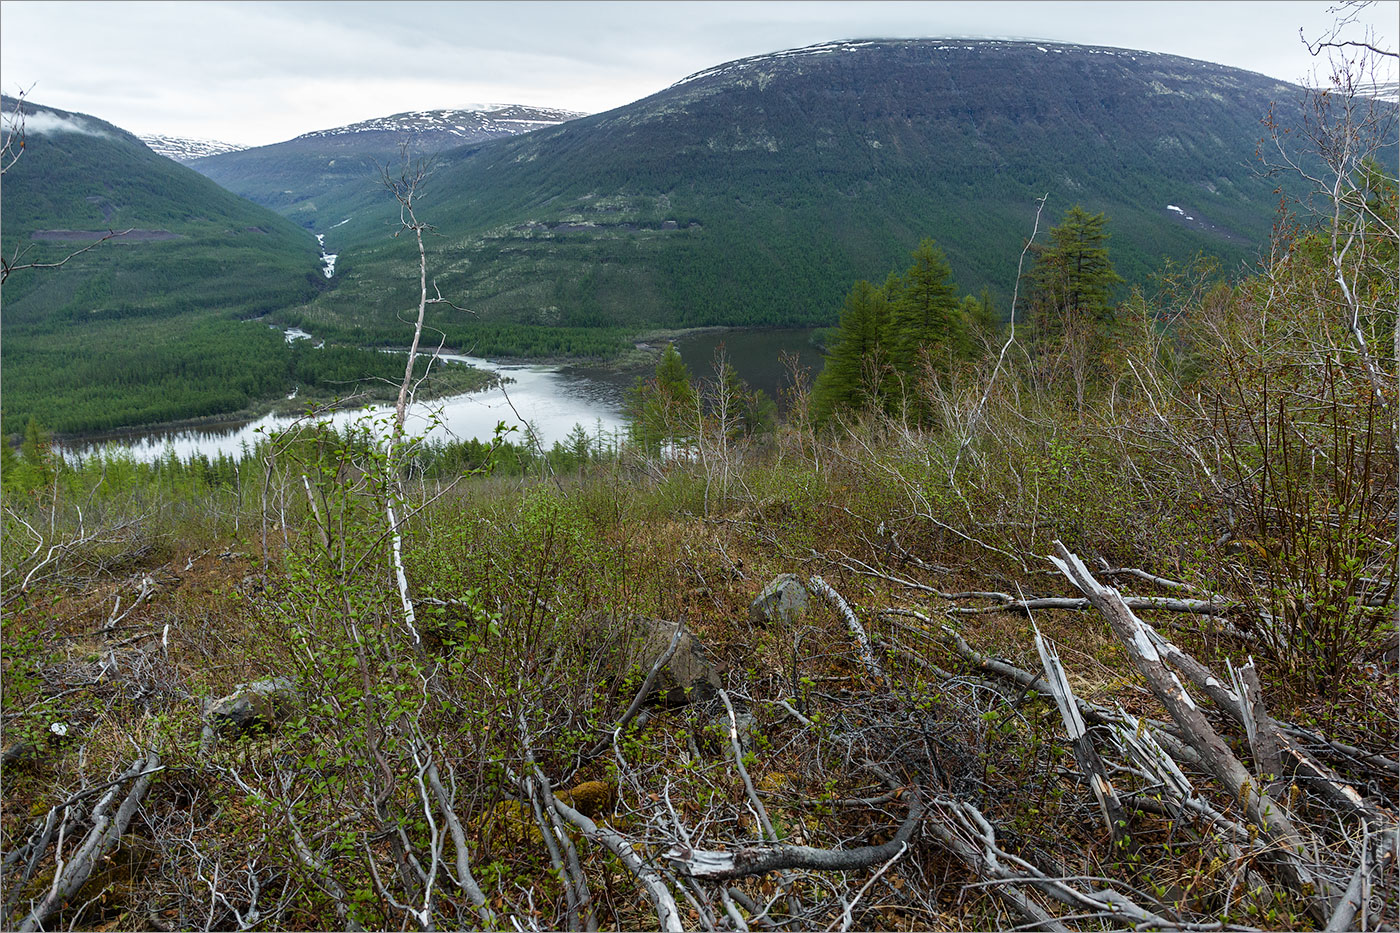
293 176
756 191
484 119
145 326
186 149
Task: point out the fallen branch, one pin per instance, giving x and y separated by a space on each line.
749 861
1310 887
1161 603
667 914
99 843
867 654
1093 713
1085 755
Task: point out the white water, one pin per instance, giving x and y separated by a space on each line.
328 259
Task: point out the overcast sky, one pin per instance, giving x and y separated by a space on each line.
257 73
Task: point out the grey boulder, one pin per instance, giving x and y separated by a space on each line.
254 707
688 676
785 600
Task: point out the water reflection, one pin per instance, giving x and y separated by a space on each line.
547 400
550 400
758 356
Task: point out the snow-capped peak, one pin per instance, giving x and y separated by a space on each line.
474 121
185 149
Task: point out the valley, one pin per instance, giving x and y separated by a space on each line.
750 194
886 484
545 402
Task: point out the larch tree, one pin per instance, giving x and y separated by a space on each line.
1073 279
925 315
852 377
664 408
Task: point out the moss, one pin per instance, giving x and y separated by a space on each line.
591 798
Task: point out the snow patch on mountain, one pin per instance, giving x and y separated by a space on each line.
185 149
476 121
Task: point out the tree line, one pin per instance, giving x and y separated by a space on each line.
892 337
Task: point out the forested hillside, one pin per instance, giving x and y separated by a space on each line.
755 192
150 324
320 178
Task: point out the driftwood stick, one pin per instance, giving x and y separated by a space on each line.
1275 752
1288 852
1005 887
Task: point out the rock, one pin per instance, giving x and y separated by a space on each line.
687 678
254 707
785 600
591 798
509 825
746 728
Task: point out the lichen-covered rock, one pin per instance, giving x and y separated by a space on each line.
688 677
254 707
784 600
507 826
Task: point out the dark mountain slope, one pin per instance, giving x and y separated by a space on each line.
337 166
756 191
149 305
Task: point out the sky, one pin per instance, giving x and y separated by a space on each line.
254 73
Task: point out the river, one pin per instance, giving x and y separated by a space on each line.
550 399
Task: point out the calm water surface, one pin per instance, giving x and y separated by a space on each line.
551 400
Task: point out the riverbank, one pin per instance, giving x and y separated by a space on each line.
450 379
553 392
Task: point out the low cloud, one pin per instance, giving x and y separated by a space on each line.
45 123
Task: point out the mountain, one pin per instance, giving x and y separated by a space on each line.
145 326
338 164
435 127
755 192
185 149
